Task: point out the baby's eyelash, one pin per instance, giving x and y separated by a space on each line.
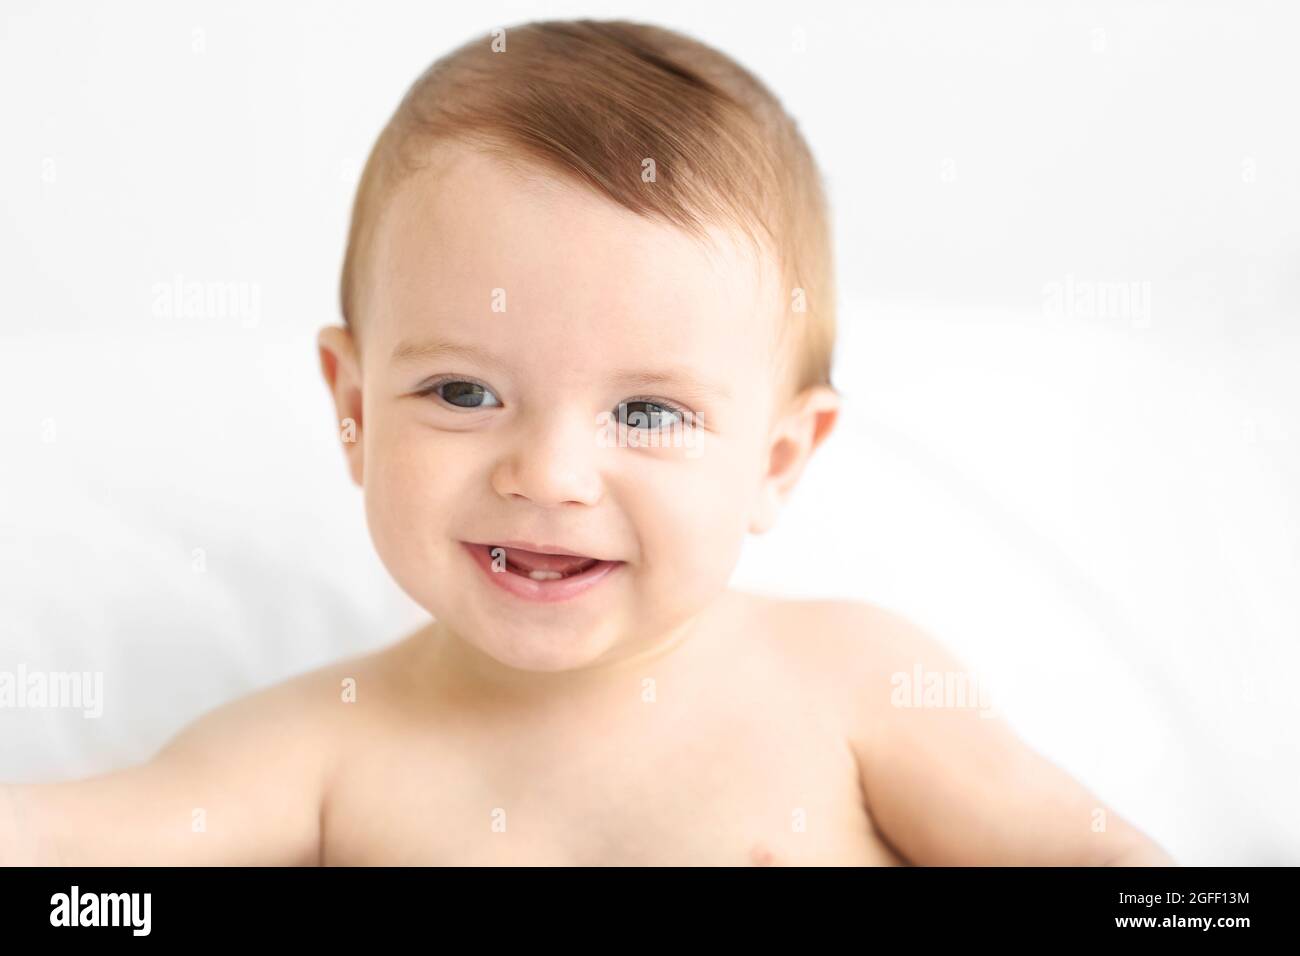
432 387
662 403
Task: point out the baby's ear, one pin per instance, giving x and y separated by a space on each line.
796 434
340 366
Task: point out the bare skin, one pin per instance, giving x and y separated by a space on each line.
765 737
702 754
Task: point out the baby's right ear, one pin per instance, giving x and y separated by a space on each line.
342 371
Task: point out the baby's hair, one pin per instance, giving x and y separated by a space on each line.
661 124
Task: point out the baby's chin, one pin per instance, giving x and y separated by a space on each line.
536 647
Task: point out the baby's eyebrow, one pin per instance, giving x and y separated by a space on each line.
681 380
405 352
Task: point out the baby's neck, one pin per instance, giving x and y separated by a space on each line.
459 661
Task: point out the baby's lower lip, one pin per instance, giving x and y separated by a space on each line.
546 590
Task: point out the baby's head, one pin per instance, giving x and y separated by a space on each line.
588 305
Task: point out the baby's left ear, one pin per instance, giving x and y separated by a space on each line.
341 367
797 433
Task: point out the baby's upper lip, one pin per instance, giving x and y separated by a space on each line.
539 548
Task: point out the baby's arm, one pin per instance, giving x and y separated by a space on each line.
953 786
241 785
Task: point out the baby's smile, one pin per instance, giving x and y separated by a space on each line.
540 573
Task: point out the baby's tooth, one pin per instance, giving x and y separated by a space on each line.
545 575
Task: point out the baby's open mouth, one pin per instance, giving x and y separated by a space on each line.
541 575
538 565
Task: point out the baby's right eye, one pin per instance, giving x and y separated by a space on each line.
461 393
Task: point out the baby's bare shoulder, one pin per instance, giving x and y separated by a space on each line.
325 712
845 638
848 654
304 711
946 780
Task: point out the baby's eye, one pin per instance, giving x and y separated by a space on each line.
641 413
462 394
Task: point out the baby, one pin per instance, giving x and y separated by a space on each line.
588 330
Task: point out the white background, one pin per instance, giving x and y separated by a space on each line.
1097 512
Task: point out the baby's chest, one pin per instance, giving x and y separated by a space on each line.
760 793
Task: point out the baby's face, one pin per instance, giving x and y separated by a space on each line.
525 341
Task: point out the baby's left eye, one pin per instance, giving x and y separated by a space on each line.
646 414
462 394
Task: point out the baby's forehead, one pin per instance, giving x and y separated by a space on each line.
471 226
501 192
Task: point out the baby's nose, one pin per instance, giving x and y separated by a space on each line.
552 460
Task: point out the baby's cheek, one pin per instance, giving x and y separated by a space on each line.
692 543
386 503
404 513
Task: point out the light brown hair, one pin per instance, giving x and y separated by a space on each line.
592 100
